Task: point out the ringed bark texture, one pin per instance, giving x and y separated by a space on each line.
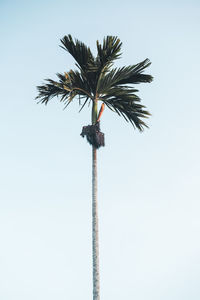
95 231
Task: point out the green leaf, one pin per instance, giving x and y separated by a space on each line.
96 79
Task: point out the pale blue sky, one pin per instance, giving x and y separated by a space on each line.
148 183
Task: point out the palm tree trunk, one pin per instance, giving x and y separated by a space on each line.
95 232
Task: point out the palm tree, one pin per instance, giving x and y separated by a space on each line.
95 80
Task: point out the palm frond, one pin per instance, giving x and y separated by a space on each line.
125 75
84 104
69 85
127 104
81 53
50 90
96 79
79 82
135 74
109 51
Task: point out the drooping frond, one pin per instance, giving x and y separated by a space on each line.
126 103
51 89
69 85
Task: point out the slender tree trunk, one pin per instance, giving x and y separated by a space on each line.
95 232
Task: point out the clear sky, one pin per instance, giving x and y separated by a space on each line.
149 199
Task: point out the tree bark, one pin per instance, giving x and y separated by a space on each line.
95 231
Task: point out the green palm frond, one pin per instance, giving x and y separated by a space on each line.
50 90
95 79
84 58
126 103
125 75
70 85
135 73
81 53
109 51
78 82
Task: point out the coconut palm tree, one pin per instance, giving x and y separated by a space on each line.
96 81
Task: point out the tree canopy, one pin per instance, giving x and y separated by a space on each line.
96 79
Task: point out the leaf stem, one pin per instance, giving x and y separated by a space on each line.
94 111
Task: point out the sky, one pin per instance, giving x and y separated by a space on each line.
148 183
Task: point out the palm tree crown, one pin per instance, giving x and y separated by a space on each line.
96 80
